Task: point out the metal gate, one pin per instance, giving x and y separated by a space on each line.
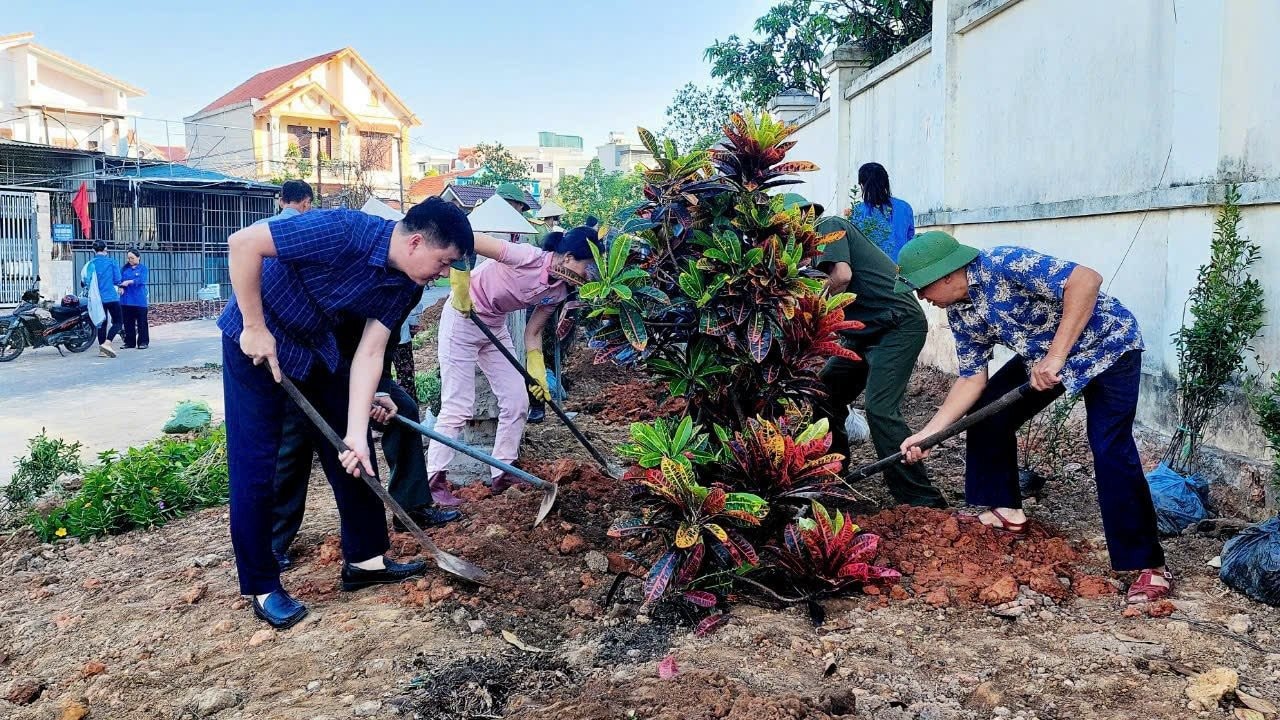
19 252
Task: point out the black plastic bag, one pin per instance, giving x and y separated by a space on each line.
1251 562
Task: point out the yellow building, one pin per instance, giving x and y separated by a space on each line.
331 107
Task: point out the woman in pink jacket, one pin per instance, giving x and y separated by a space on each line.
516 278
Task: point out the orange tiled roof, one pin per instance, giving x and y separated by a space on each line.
266 81
433 186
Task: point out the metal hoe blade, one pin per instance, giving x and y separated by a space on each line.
595 454
549 490
449 563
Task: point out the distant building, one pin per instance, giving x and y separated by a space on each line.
330 106
50 99
469 197
620 154
434 186
554 158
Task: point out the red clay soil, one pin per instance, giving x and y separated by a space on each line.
634 401
947 559
537 574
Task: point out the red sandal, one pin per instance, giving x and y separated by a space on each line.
1147 589
1006 525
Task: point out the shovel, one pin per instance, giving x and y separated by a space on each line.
445 561
604 464
549 490
945 434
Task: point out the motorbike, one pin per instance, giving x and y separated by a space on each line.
65 325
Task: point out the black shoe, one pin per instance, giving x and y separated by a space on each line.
427 517
280 610
353 578
283 561
143 346
537 415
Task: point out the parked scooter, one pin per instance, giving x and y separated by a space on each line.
65 325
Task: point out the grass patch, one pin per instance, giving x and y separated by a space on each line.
47 460
428 387
143 487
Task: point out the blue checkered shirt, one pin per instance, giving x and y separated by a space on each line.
1016 300
329 265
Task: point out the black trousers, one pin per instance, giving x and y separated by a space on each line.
401 446
110 326
136 331
1111 402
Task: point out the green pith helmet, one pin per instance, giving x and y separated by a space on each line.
929 257
514 193
796 200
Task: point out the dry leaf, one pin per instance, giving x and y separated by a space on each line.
520 644
667 669
1246 714
1266 707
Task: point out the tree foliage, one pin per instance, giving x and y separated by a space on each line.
696 115
710 287
793 37
1227 310
499 165
599 193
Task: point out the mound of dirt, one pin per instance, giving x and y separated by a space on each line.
634 401
945 558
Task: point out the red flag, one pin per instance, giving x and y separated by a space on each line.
81 205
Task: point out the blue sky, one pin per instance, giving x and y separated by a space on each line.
473 70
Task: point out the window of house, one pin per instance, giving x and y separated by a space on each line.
375 150
302 138
539 168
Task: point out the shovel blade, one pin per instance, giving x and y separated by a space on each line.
455 565
549 494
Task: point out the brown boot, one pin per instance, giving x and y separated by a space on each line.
441 491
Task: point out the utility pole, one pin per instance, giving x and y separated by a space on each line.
319 133
400 170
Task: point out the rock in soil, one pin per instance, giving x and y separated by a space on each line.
24 691
213 701
1207 689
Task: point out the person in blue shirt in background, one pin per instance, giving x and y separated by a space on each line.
888 222
133 301
102 276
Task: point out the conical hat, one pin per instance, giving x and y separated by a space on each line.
550 208
496 215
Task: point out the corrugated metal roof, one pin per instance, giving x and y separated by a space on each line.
177 173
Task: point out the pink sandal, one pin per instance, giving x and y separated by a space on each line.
1147 589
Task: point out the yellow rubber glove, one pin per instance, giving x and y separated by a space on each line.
460 290
537 367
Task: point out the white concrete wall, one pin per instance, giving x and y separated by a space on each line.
223 141
1099 131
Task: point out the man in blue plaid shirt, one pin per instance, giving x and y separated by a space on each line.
1069 337
293 281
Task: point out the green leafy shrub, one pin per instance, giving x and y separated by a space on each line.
428 389
143 487
710 287
1227 310
1265 401
47 460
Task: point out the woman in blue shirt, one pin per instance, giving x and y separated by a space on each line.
887 221
133 301
101 276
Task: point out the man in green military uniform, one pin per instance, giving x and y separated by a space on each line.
889 345
515 196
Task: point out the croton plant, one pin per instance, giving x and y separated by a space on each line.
710 288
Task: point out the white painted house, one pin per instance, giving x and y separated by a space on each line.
1100 131
50 99
331 106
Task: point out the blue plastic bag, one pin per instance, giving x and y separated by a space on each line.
1178 499
557 390
1251 562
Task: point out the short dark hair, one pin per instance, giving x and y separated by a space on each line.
134 251
443 223
295 191
99 245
